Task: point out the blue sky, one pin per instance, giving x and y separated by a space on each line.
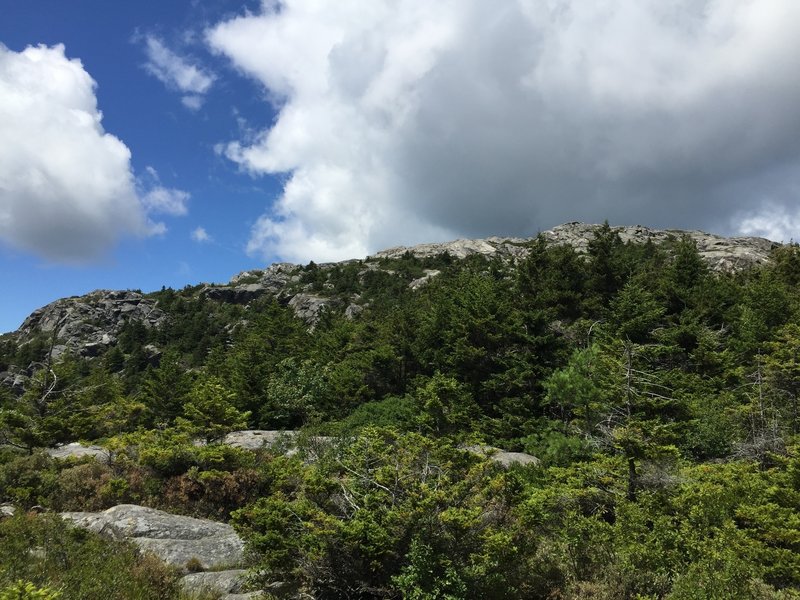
161 134
152 143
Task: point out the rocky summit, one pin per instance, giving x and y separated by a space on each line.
89 325
721 253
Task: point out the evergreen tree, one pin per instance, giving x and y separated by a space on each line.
210 412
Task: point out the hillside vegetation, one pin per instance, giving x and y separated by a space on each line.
660 397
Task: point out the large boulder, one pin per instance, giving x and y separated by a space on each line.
175 539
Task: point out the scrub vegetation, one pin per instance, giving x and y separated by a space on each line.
660 398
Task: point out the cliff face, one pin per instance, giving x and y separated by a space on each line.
90 324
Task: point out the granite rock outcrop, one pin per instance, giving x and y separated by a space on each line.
175 539
87 325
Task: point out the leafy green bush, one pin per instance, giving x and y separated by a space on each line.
25 590
385 513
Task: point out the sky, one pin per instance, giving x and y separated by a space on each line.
150 143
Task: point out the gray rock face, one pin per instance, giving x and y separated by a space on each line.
239 294
13 379
425 279
309 307
273 279
721 253
89 324
456 249
353 310
286 441
174 539
229 584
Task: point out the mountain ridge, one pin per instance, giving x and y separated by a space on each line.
91 323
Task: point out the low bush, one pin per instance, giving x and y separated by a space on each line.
47 553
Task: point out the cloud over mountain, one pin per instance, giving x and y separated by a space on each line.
67 191
411 120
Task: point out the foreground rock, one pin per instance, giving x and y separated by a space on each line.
174 539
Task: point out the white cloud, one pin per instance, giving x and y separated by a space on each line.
67 191
158 199
200 235
772 221
176 72
408 120
166 201
192 102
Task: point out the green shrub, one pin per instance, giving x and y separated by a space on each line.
47 552
25 590
388 513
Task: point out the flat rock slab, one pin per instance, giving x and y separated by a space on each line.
174 539
77 450
214 582
253 439
502 457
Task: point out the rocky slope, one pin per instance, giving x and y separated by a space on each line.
89 324
721 253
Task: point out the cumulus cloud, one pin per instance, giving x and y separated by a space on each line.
177 73
200 235
402 121
67 191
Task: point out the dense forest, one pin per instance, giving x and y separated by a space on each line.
659 397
